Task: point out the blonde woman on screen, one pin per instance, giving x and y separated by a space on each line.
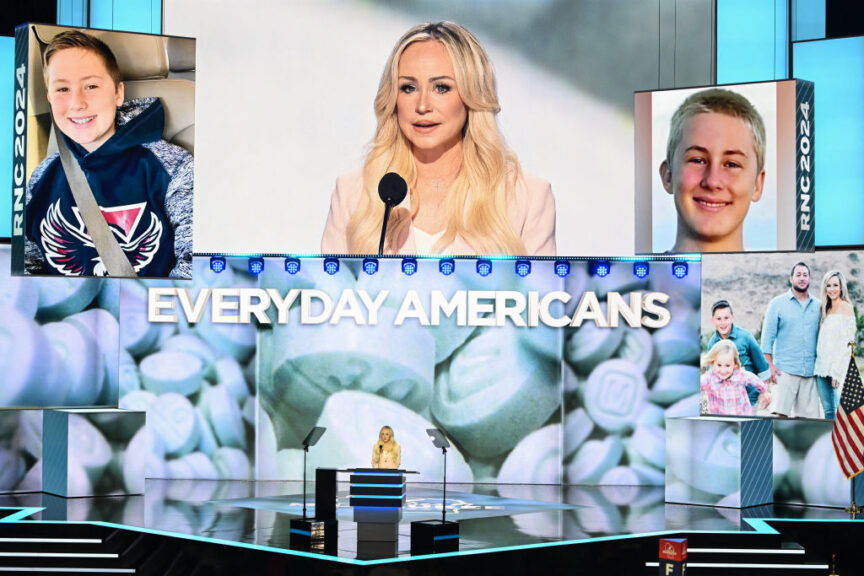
436 109
837 330
386 453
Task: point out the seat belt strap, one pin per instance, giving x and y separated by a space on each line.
105 242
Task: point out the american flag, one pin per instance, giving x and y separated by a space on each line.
848 433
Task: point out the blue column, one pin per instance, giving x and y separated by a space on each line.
7 93
808 20
837 69
752 40
72 12
121 15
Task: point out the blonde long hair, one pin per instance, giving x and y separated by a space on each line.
489 168
391 447
844 291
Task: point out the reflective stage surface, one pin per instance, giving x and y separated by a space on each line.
490 516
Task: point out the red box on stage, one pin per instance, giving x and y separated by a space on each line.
674 549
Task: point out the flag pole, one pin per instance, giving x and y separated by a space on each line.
853 509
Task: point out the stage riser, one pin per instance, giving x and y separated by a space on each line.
105 558
750 571
767 557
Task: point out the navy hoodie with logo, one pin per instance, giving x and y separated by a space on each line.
143 186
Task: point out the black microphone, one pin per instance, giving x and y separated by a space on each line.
380 447
392 189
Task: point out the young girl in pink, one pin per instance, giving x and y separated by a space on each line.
725 383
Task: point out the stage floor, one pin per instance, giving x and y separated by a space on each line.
491 517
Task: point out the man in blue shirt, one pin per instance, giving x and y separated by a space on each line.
749 352
789 335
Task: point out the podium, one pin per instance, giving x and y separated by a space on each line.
377 496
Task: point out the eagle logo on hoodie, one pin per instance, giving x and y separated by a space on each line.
70 250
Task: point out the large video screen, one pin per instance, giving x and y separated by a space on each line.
60 340
796 310
725 169
303 78
536 379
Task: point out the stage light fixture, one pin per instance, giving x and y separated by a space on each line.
217 264
409 266
331 265
562 268
600 268
447 266
292 265
484 267
256 265
640 269
370 265
523 268
679 269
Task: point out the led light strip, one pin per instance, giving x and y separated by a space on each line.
57 555
744 551
70 570
51 540
736 565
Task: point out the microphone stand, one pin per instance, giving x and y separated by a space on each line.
444 495
387 208
305 451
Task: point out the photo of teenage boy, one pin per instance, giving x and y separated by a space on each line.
714 169
789 334
142 184
750 354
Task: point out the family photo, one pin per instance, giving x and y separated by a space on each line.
778 332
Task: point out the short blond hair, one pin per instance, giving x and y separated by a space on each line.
722 347
722 102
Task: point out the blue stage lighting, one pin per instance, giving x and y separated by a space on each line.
484 267
640 269
217 264
523 268
600 268
370 265
679 269
409 266
256 265
562 268
447 266
292 265
331 265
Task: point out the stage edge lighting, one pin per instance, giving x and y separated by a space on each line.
679 269
562 268
292 265
256 265
409 266
640 269
370 266
331 265
600 268
484 267
217 264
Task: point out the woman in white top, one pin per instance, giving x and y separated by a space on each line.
386 453
836 330
437 107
